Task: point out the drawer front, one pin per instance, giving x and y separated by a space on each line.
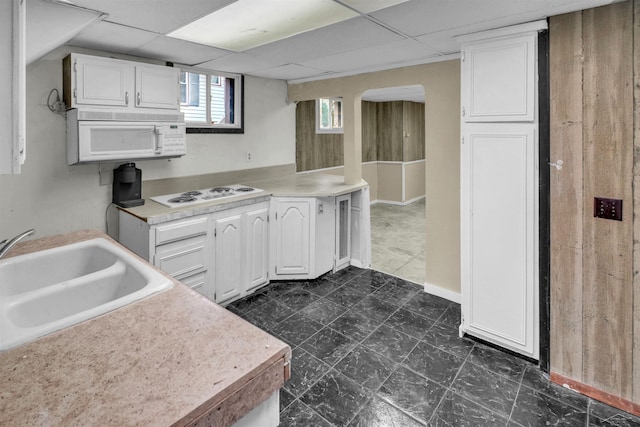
181 229
182 257
196 281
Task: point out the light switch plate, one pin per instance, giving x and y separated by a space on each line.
607 208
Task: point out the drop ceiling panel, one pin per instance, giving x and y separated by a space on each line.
368 6
160 16
374 57
240 63
417 18
288 72
111 37
357 33
180 51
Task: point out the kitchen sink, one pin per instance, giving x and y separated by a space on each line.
45 291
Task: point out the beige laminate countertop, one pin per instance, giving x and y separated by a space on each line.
296 185
174 358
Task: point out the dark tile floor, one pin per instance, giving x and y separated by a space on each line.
373 350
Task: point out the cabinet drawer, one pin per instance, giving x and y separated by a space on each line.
181 229
196 281
182 257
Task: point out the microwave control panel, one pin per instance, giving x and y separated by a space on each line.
174 138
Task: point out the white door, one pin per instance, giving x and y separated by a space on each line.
500 235
292 236
256 262
102 81
498 80
157 87
228 257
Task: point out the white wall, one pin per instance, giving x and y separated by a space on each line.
55 198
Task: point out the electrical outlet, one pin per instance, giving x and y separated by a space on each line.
607 208
249 156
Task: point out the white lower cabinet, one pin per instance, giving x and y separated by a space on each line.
292 232
228 267
303 237
499 236
257 246
223 255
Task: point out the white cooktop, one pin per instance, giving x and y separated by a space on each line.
196 197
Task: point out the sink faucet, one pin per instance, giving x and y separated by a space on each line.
5 246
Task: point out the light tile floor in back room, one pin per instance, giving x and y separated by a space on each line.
373 350
398 240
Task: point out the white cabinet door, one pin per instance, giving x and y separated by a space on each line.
101 81
293 229
157 87
257 238
499 235
498 80
12 88
343 231
228 257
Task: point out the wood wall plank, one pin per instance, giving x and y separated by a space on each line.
608 155
369 132
565 53
389 129
413 128
636 203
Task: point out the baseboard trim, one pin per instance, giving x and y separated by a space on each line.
394 202
443 293
602 396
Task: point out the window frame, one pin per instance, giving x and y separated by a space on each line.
332 129
238 100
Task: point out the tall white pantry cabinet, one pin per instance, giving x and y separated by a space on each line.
499 187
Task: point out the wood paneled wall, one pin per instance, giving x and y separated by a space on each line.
315 150
593 283
391 131
389 126
413 125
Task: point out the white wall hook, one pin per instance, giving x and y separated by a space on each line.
557 165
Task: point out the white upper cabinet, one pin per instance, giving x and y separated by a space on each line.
97 81
498 80
157 87
100 81
12 88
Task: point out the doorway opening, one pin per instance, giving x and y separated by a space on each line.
393 162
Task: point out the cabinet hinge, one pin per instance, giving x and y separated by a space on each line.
75 68
215 232
463 111
276 269
463 139
462 56
74 93
276 216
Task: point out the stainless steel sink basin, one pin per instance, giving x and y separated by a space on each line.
52 289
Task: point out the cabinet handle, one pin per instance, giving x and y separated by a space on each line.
126 98
138 98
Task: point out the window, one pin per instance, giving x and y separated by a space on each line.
189 89
329 115
211 102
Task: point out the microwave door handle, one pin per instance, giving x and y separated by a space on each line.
159 139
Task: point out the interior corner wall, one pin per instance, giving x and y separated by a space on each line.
55 198
441 81
595 287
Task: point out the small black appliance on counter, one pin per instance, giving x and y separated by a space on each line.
127 186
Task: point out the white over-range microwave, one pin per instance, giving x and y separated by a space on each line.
109 135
